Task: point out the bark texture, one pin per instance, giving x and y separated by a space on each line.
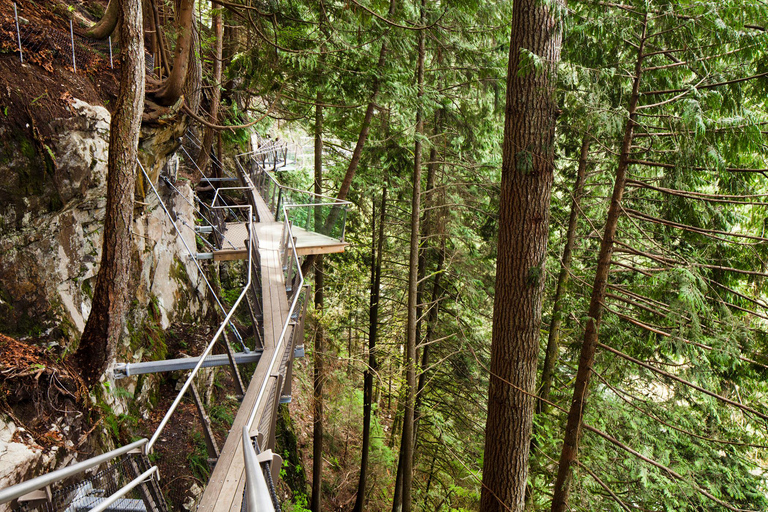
106 25
406 447
172 87
589 345
206 146
526 184
110 298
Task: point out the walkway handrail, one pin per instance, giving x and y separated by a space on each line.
283 332
224 323
257 497
16 491
104 505
329 212
332 200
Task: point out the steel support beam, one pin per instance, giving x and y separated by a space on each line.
123 370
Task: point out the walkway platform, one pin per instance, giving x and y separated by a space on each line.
224 491
307 242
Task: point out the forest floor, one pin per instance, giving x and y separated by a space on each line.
342 439
45 398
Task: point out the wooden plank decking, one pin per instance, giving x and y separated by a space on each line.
224 491
307 242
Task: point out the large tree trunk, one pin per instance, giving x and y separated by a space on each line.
192 89
106 25
406 447
526 184
317 436
171 89
105 323
373 315
589 345
553 341
206 146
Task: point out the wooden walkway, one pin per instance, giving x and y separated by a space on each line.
307 242
224 491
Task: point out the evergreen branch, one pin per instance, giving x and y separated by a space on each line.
618 443
708 86
212 126
693 229
688 383
393 24
674 166
664 468
714 198
623 396
657 330
603 485
740 295
696 61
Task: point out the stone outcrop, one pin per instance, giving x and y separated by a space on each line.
52 206
51 236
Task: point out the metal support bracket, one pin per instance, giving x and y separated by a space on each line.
39 496
275 459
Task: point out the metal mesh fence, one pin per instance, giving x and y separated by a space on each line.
45 45
91 491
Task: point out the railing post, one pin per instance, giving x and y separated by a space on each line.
72 39
279 202
257 498
289 274
18 33
343 224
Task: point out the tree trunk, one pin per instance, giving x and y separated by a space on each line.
170 91
106 25
317 435
553 341
589 345
373 313
163 63
150 34
206 146
526 184
406 450
110 298
192 90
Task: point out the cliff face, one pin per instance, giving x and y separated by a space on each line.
52 204
51 236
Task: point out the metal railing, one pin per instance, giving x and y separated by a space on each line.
41 44
259 492
313 212
253 243
277 370
43 481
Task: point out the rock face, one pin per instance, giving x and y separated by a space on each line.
52 206
51 233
